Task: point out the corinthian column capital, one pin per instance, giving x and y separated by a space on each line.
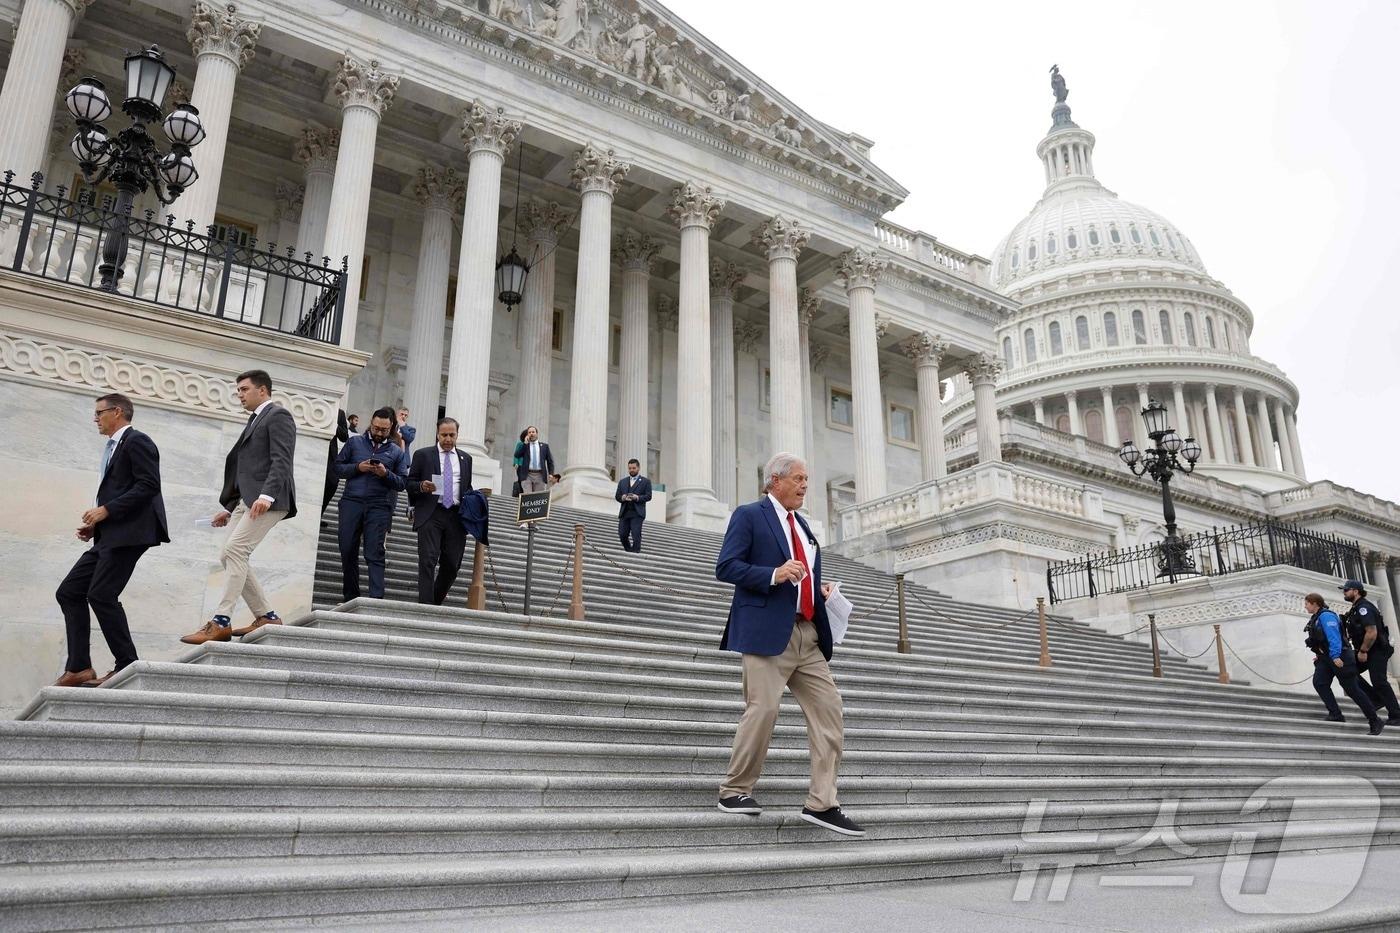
484 128
317 149
808 304
439 188
782 237
543 222
217 30
364 85
636 250
924 349
695 205
859 268
983 369
724 278
597 170
77 6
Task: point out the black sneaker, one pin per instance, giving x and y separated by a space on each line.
834 820
1376 726
1393 721
740 803
1336 717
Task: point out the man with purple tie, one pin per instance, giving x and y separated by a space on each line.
438 480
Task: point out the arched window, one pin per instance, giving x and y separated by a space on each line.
1081 332
1057 343
1051 247
1225 333
1164 320
1071 241
1113 235
1093 236
1110 329
1134 235
1139 328
1152 232
1190 329
1030 251
1171 239
1210 333
1015 258
1028 342
1006 350
1062 422
1124 419
1093 425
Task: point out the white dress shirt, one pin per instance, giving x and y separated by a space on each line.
808 551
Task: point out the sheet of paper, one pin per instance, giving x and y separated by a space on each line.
204 523
838 613
437 480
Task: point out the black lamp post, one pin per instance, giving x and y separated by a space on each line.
130 158
1160 461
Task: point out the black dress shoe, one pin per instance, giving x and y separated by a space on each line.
1393 721
740 803
1376 726
834 820
1336 717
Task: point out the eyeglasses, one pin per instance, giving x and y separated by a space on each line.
102 411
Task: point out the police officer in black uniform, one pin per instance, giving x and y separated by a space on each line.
1371 641
1326 636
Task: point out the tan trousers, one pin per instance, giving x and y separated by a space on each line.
803 670
244 534
535 481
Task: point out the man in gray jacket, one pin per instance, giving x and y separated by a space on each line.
258 493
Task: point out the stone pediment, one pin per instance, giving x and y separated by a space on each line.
647 53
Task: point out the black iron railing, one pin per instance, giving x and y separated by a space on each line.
1212 553
52 237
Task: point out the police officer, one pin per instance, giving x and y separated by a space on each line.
1334 658
1366 628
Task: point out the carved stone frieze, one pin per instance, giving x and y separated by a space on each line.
360 84
486 128
694 205
598 170
218 30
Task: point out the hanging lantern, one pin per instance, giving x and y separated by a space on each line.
510 278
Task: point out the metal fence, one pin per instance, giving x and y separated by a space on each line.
53 237
1213 553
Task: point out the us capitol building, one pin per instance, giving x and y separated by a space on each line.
710 279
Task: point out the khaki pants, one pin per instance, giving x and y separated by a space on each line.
245 533
535 481
803 670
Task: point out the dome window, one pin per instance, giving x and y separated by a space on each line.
1057 343
1134 235
1015 259
1139 329
1171 239
1071 240
1110 329
1113 235
1190 329
1210 333
1093 236
1225 333
1051 247
1164 320
1028 340
1006 350
1093 425
1152 233
1081 332
1030 251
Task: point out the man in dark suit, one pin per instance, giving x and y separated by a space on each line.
437 511
777 620
534 463
258 493
374 468
634 492
128 519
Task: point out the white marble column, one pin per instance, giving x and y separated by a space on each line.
1110 418
808 304
1285 448
982 370
317 151
1076 423
635 253
692 501
586 483
31 90
1218 445
860 270
440 191
1267 459
223 44
365 93
1140 426
1242 429
542 225
1183 423
926 350
283 306
487 135
1290 420
1040 411
783 239
1379 591
724 280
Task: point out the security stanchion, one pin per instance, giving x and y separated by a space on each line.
1045 660
576 602
1220 656
476 593
1156 652
902 646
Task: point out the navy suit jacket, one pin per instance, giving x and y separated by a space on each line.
643 491
761 616
130 491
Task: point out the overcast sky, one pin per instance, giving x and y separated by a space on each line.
1267 131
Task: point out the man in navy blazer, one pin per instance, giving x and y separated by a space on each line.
777 620
634 492
438 511
129 518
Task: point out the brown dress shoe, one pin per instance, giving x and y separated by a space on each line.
99 681
75 678
212 631
258 623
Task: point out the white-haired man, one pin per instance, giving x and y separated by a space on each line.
777 620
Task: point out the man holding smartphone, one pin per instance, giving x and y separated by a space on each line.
374 468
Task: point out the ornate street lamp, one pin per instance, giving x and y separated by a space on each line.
1170 453
130 159
511 269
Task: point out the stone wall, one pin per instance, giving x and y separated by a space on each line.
62 346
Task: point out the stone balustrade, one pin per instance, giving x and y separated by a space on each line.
926 249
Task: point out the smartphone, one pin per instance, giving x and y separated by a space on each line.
374 461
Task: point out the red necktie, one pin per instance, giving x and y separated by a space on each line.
805 603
